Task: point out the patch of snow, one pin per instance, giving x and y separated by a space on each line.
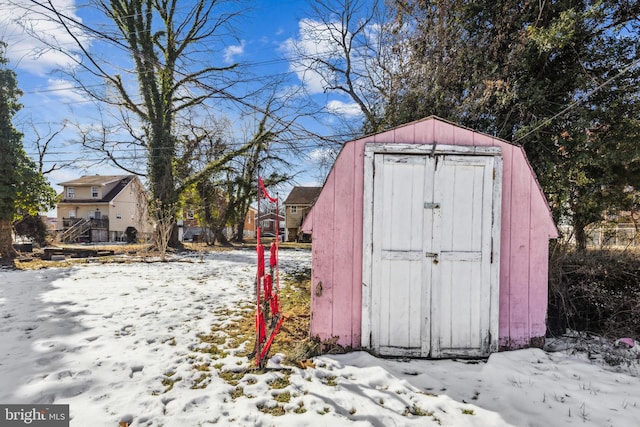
119 343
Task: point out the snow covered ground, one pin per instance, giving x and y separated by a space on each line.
119 344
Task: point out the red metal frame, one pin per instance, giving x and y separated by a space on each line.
268 314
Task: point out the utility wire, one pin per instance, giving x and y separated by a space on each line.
116 42
223 92
144 153
578 101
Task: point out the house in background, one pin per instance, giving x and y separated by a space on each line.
268 218
249 230
190 228
297 205
99 208
620 230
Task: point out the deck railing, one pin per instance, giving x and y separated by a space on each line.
76 228
102 223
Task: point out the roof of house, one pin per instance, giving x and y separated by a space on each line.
303 195
270 215
87 180
122 182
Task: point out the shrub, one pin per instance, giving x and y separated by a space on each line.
596 292
33 227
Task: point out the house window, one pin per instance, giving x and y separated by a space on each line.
294 209
71 192
94 192
190 214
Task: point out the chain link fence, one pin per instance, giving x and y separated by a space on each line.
607 236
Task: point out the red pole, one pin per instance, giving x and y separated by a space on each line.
258 283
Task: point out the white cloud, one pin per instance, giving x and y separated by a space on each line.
323 155
314 41
21 20
347 109
61 175
232 51
66 90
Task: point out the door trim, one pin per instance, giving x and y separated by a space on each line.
370 150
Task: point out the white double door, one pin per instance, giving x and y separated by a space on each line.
434 255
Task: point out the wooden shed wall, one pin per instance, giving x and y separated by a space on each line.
337 238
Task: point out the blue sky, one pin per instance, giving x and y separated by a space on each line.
264 33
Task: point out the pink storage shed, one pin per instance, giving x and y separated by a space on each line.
430 240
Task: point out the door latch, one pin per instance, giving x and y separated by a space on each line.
433 255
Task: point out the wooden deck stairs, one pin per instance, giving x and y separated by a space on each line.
79 228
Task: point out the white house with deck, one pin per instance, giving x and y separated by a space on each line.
100 208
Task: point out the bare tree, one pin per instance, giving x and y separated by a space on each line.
164 219
226 196
343 46
44 141
170 45
114 140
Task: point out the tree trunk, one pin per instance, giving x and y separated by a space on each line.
581 237
6 241
174 241
220 237
240 231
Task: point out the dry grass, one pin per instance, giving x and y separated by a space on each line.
33 260
243 332
296 306
248 243
293 339
276 410
117 249
280 382
232 377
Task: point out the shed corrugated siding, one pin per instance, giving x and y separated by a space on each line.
343 253
337 307
519 252
322 274
337 238
539 267
504 313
